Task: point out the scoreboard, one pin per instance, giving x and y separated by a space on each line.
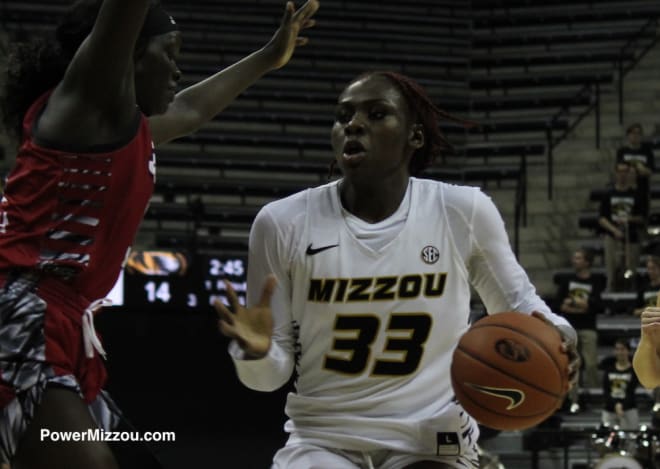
156 280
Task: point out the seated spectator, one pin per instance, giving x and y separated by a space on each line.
621 213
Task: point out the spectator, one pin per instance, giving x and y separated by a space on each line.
649 286
579 301
621 212
619 385
641 159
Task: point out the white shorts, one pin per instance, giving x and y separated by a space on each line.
306 456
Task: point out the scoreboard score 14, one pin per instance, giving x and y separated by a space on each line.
173 280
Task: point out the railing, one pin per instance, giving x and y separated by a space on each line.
633 44
592 90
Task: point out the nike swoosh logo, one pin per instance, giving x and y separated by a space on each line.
515 396
311 251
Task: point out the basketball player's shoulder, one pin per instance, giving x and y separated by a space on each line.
448 188
288 210
451 194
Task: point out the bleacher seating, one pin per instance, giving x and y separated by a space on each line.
513 66
273 140
279 128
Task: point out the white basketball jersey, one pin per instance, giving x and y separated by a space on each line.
372 331
377 329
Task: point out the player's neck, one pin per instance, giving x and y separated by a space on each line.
372 202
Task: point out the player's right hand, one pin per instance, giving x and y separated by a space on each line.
251 328
650 322
287 37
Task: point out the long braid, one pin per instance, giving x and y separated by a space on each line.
38 64
428 116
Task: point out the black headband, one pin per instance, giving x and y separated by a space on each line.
157 22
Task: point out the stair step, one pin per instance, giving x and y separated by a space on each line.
552 231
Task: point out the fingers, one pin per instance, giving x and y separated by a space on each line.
301 41
288 13
651 311
267 291
650 318
574 368
574 363
650 321
226 317
225 320
223 311
231 294
227 329
307 10
541 316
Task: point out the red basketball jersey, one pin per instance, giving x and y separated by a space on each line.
76 209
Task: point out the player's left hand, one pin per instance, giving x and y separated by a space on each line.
287 38
569 347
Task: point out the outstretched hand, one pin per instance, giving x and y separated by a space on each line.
569 347
287 38
251 328
650 322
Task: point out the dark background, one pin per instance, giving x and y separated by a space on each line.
169 370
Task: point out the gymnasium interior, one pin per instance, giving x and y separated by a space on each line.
552 84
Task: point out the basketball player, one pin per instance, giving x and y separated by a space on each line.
370 293
88 107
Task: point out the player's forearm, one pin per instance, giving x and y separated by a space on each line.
199 103
265 374
646 364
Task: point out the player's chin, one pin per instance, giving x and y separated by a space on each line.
160 105
164 103
154 109
352 166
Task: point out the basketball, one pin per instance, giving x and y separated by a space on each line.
508 371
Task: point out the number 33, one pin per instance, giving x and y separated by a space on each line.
407 334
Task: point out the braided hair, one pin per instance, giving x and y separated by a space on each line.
426 113
38 64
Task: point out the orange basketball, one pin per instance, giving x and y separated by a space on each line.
508 371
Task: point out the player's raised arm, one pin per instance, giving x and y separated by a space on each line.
99 80
199 103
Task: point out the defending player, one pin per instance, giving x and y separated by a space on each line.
88 107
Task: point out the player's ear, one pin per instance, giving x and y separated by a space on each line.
416 138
